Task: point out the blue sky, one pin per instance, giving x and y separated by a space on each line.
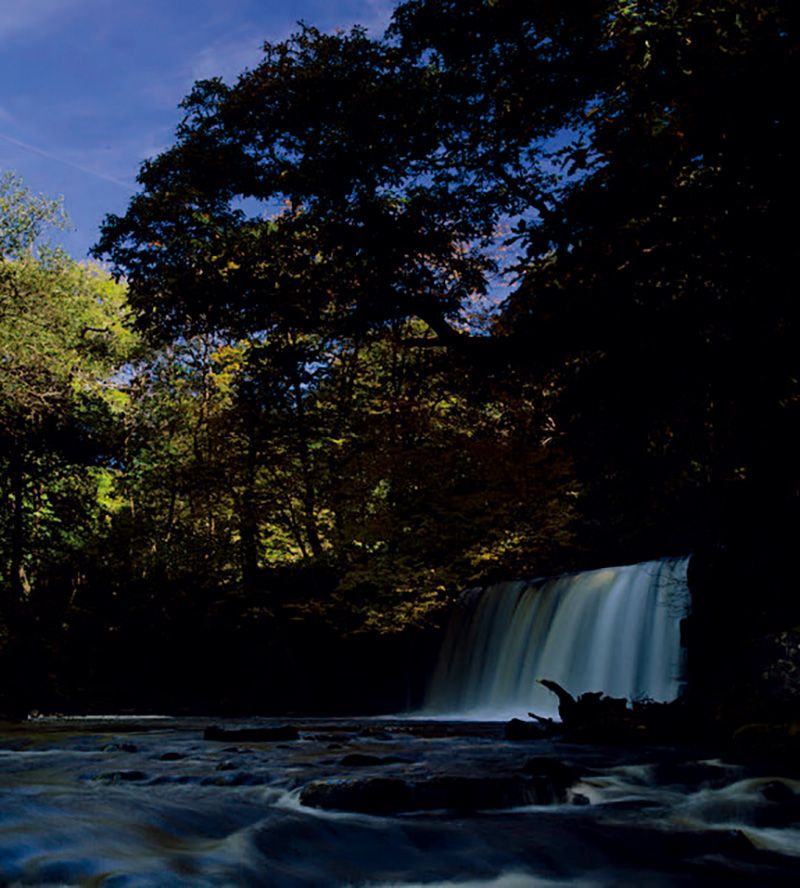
90 88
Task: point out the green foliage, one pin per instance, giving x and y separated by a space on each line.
24 217
515 294
639 158
64 330
248 459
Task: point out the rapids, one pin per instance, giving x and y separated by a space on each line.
150 803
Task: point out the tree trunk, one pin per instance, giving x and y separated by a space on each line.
248 520
16 566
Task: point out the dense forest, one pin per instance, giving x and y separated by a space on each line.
505 292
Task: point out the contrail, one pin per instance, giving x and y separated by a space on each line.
69 163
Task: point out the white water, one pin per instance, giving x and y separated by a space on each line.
156 806
615 630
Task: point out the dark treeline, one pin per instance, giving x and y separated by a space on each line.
505 292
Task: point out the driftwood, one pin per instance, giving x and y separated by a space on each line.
593 717
567 704
589 707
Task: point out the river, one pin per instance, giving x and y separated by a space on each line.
149 802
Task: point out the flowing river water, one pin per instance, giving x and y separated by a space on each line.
149 802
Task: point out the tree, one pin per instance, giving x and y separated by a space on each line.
350 235
63 331
641 154
654 289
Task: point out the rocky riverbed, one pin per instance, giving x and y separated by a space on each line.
164 802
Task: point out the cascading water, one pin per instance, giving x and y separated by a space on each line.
615 630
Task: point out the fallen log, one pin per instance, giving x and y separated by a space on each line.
595 718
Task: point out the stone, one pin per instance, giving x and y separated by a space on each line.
374 733
767 745
384 795
364 760
120 747
784 808
551 777
376 795
121 777
517 730
251 735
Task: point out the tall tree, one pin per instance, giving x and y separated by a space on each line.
63 331
641 154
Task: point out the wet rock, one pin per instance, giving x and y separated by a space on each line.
239 779
702 843
376 795
383 795
779 792
251 735
580 799
614 732
374 734
121 777
767 745
631 805
763 685
784 809
551 777
517 729
172 757
693 775
226 766
175 780
364 760
556 770
120 747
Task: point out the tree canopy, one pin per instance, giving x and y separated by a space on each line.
503 292
628 166
63 332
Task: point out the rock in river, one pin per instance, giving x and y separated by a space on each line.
384 795
251 735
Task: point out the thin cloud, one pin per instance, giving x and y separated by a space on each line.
226 59
76 166
20 16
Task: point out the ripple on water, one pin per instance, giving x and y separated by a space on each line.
201 814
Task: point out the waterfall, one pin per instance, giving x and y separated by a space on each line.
615 630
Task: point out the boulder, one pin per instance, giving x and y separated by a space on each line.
121 777
551 777
767 745
518 730
374 795
694 775
374 733
120 747
764 686
251 735
784 807
383 795
364 760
